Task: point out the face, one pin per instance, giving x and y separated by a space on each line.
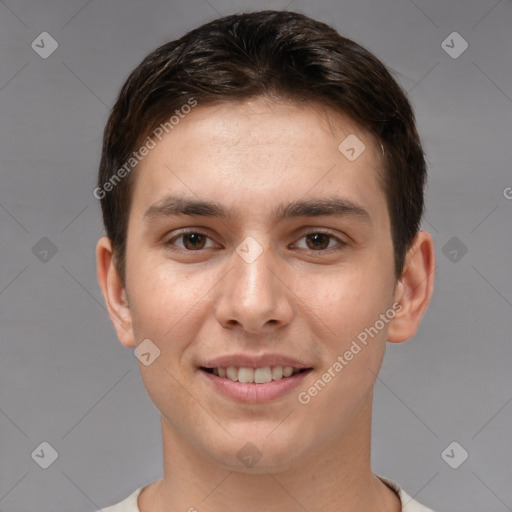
254 242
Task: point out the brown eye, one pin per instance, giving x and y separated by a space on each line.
319 241
189 241
194 241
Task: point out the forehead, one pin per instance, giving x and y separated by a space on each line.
264 151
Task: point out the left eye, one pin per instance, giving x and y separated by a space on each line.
318 241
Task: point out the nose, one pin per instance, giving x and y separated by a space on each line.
255 296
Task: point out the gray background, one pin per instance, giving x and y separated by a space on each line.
64 377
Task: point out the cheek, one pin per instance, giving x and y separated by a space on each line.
163 292
349 306
347 301
353 348
165 311
159 301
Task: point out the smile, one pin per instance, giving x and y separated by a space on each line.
254 375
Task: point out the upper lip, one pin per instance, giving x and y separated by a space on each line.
253 361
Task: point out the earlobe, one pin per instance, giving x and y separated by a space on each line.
414 289
114 292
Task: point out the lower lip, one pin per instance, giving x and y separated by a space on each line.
252 393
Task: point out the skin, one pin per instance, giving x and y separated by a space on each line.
303 299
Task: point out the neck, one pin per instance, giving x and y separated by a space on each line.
336 478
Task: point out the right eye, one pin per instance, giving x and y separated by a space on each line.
192 240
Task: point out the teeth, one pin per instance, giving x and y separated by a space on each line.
245 375
255 375
287 371
277 372
232 373
262 375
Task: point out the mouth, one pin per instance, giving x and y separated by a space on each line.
254 378
261 375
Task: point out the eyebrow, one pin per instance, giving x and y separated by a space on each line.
173 205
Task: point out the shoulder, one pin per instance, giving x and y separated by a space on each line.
129 504
408 504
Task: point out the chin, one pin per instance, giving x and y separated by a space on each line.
253 454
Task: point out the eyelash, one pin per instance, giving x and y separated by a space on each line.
183 233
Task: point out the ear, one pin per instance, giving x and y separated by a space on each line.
414 289
114 292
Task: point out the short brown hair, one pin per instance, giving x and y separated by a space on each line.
280 54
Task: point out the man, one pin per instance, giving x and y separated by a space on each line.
261 184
